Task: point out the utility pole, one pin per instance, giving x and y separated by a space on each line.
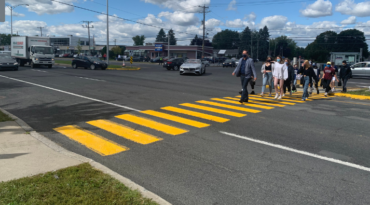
88 31
168 50
107 34
11 16
258 41
40 30
204 26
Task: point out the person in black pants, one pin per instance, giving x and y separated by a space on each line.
288 82
345 73
245 70
329 72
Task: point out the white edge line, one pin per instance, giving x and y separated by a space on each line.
69 93
299 152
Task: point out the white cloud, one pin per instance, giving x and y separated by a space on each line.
350 20
45 6
250 17
274 22
180 5
232 5
8 13
238 23
319 8
349 7
180 18
212 23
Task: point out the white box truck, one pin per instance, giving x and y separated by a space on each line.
33 50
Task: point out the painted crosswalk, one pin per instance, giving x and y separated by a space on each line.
169 121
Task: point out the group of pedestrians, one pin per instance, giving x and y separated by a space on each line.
283 76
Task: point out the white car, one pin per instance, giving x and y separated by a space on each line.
75 55
361 69
195 66
60 55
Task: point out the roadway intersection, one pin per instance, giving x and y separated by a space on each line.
187 139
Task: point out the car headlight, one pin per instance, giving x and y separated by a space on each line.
36 59
197 68
15 63
96 62
52 59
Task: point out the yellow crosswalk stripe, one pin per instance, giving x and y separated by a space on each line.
210 109
284 99
152 124
258 102
91 140
125 132
176 118
196 114
229 106
246 104
273 101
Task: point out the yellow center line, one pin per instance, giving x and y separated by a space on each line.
273 101
91 140
176 119
152 124
246 104
225 112
196 114
125 132
257 102
229 106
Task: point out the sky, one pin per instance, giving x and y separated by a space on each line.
298 19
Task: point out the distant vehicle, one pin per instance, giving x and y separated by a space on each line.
67 55
146 59
61 55
7 62
32 49
361 69
229 63
75 55
206 62
120 58
6 52
88 62
194 66
155 60
174 63
220 60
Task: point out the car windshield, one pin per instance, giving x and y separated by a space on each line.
5 57
193 61
94 59
228 61
43 50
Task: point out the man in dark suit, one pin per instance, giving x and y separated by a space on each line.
245 70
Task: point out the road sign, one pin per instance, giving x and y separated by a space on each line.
2 10
131 59
131 53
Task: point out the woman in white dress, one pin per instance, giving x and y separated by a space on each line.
280 75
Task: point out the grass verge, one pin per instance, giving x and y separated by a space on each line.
63 62
364 92
74 185
119 67
4 117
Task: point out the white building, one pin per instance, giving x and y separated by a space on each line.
350 57
68 44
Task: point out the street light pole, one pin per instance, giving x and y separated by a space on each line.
107 34
11 16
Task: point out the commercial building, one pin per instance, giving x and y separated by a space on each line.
160 49
225 53
68 44
350 57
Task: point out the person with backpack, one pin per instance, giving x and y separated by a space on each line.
245 70
294 89
329 73
345 73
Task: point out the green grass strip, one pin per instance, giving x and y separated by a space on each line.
4 118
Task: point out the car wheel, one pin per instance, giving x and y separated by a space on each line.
92 67
74 66
176 68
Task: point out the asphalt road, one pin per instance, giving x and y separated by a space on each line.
214 158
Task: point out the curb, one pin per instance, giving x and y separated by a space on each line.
127 182
123 69
356 97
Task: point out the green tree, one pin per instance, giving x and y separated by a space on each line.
352 40
116 50
226 39
199 41
173 40
138 40
5 39
245 40
123 48
284 46
263 43
79 47
111 53
161 37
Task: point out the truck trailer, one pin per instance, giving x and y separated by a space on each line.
33 50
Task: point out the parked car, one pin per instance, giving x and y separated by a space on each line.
220 60
75 55
194 66
361 69
146 59
174 63
7 62
88 62
206 62
229 63
120 58
155 60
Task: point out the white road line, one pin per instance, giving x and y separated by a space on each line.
69 93
39 70
90 79
299 152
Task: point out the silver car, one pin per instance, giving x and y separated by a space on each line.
361 69
194 66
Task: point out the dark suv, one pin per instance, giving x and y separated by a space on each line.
173 63
88 62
